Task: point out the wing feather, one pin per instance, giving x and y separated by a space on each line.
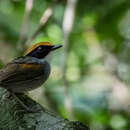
22 71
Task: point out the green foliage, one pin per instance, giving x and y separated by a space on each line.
98 52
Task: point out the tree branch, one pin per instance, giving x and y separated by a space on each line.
24 30
67 28
14 117
23 42
44 19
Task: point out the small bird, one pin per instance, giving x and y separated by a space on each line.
30 71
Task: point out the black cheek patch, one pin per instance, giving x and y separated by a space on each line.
40 53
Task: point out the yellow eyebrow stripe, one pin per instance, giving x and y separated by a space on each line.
38 44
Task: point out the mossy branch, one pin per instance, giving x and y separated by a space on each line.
14 117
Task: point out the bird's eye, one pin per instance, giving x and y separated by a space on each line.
39 48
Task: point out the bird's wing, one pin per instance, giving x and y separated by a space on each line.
21 70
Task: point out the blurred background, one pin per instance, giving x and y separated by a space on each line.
90 75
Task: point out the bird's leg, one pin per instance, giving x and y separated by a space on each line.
15 95
20 101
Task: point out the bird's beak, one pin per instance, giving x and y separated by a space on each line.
56 47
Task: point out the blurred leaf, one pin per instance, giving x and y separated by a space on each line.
118 122
54 33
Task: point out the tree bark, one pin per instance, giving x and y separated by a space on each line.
14 117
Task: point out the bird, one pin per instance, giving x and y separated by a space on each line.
30 71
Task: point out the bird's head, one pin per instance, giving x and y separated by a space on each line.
42 50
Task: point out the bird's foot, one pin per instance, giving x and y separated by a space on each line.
27 109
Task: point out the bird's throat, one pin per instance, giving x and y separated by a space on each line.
48 57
